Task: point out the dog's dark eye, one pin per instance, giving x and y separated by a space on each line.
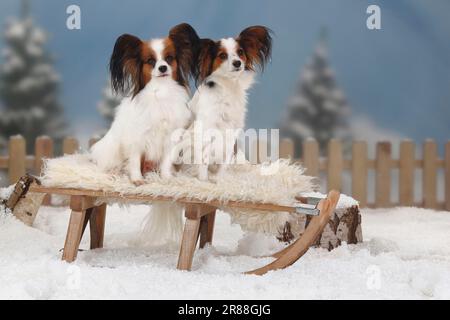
169 59
151 61
240 52
223 56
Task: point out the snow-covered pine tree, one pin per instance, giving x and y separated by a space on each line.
107 106
28 83
318 109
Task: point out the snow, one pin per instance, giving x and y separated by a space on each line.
405 255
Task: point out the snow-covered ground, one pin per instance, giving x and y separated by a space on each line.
405 255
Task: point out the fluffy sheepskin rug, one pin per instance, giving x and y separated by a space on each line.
277 183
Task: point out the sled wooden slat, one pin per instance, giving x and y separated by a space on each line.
145 198
297 249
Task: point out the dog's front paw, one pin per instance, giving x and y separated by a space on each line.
138 182
137 179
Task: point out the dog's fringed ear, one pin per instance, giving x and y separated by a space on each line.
206 55
257 44
125 65
186 42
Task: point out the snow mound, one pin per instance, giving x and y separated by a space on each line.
405 256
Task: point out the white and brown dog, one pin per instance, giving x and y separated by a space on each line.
225 71
156 73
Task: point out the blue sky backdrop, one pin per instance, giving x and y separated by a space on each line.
397 78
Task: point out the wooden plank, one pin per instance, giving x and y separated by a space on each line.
207 228
73 237
253 151
429 174
188 244
4 160
287 149
311 157
406 173
117 195
298 248
262 151
359 172
447 176
70 145
30 162
97 226
335 165
16 161
383 175
81 202
43 149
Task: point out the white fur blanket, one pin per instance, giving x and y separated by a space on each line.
276 183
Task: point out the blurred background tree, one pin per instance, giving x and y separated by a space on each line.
29 84
318 109
107 106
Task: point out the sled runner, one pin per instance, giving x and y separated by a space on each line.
89 206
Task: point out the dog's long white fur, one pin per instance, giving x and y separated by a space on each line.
145 125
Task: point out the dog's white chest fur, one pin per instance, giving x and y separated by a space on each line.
144 124
220 103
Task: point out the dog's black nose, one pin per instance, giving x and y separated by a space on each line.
162 69
236 63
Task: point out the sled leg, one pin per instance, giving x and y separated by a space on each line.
81 211
97 226
297 249
207 228
74 233
188 243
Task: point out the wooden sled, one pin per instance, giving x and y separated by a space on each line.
88 206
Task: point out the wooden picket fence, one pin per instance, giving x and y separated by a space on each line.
17 163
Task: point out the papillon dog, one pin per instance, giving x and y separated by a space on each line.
225 71
156 73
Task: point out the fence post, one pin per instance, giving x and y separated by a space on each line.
70 145
262 150
43 149
335 165
287 149
253 150
429 174
311 157
359 172
383 175
16 162
447 176
406 173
